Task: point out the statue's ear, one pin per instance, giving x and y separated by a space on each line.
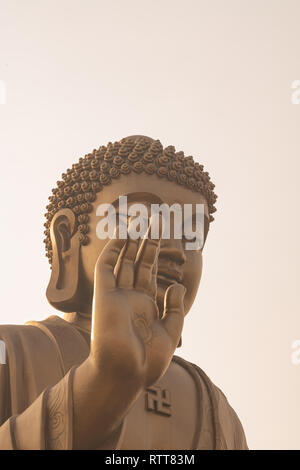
63 289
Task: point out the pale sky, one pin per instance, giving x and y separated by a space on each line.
212 78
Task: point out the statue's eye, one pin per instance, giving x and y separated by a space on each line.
192 240
194 233
122 219
192 244
189 239
139 228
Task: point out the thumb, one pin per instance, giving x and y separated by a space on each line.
174 311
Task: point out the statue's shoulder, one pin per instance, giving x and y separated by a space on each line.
214 407
18 335
23 344
12 330
49 339
32 329
70 345
36 356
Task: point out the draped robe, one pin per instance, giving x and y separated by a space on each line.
39 354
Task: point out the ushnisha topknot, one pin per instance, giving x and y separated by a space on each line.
78 186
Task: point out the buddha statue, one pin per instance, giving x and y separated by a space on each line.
104 376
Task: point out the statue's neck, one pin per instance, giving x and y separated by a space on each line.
82 321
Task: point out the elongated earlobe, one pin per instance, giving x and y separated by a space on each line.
63 289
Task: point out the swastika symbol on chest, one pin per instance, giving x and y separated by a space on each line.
158 400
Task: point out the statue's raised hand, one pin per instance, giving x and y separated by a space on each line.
129 339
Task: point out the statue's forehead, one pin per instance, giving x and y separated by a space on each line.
150 188
163 189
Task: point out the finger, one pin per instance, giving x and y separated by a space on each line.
104 269
146 258
125 269
173 316
153 283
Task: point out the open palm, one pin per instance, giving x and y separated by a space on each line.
128 336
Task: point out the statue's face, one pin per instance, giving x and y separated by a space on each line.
174 262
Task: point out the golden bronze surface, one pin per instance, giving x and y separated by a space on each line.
105 376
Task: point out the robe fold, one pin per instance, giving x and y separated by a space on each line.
40 354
